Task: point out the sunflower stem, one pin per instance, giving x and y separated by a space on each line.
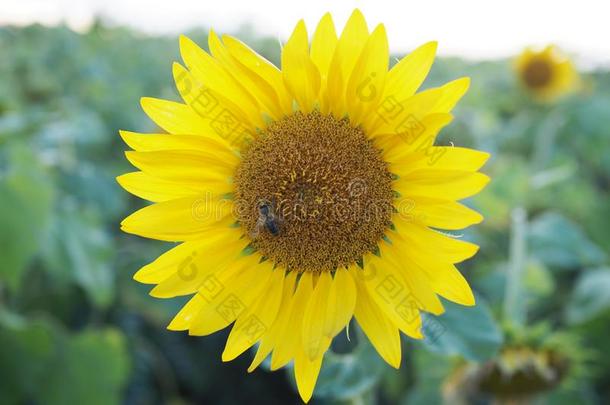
546 138
514 308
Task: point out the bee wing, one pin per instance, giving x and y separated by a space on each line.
260 222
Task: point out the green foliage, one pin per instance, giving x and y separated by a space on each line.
561 244
78 250
26 349
427 390
591 296
79 376
25 208
42 363
470 332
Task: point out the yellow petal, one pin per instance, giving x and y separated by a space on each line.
397 147
221 117
387 286
214 254
410 72
524 58
175 118
347 51
269 340
441 184
183 219
567 76
306 373
183 319
212 75
256 322
288 341
315 341
157 142
240 285
170 174
403 275
422 241
259 88
301 75
200 98
341 303
440 158
441 276
449 283
166 264
156 189
261 67
323 47
437 213
191 167
376 326
404 117
452 93
446 280
367 81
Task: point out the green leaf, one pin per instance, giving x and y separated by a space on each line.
79 251
92 369
25 207
591 296
565 394
470 332
50 366
432 369
557 242
25 350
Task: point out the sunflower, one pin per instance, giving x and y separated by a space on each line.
532 362
547 74
305 196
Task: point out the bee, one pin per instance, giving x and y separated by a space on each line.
266 219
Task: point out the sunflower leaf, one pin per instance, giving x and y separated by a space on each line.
561 244
591 296
470 332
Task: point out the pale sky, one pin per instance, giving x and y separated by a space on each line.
479 29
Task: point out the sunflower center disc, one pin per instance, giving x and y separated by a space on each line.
537 74
313 193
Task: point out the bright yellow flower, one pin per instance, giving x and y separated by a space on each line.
547 74
304 196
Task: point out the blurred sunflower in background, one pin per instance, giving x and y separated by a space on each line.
546 74
304 196
531 363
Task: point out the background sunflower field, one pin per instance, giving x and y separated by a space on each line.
75 327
